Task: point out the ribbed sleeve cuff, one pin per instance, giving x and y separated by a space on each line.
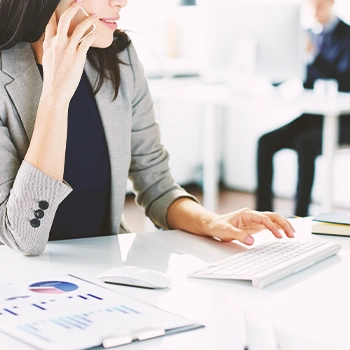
32 190
32 183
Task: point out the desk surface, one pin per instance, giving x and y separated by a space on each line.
303 100
309 309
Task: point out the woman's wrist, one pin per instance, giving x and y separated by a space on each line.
54 99
187 215
206 223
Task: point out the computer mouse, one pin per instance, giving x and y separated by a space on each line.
135 276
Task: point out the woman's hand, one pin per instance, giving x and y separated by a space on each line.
64 58
241 224
187 215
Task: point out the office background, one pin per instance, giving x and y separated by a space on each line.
169 39
173 43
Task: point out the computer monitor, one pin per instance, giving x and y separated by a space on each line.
252 38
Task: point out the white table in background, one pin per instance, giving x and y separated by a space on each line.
211 97
310 310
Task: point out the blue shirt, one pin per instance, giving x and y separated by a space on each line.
85 212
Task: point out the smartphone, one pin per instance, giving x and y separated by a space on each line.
93 27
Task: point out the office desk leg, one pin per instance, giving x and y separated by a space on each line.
210 161
329 145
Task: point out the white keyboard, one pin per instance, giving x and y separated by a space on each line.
268 263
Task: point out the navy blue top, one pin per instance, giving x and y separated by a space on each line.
85 212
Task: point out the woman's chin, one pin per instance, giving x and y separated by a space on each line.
103 43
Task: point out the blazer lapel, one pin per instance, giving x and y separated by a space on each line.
116 120
26 86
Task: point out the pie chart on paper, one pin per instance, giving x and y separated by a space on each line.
52 287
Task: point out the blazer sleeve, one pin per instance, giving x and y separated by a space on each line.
149 170
28 199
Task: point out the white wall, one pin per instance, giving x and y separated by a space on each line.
342 9
161 30
159 25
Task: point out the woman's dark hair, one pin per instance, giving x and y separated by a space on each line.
107 62
26 20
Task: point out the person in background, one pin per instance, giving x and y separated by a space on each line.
76 120
328 51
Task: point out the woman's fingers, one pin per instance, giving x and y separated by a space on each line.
234 233
51 28
242 224
81 29
273 222
264 220
283 224
86 43
66 19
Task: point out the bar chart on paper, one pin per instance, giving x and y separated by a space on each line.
74 314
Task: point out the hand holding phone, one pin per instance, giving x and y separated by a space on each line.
93 26
63 40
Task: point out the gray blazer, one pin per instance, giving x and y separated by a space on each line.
133 141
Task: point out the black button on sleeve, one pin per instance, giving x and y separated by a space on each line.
39 214
35 223
43 205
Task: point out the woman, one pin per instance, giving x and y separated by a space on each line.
85 124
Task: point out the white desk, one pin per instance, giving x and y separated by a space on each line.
211 97
310 309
